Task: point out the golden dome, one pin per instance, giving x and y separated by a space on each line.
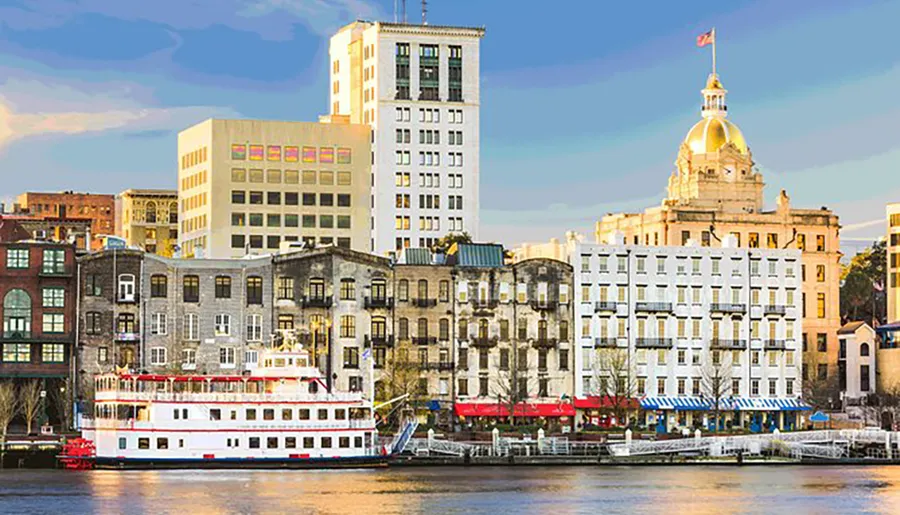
713 82
712 133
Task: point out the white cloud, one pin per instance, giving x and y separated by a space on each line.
35 107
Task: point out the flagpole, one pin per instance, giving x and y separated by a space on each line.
714 51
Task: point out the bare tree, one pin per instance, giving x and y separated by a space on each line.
716 382
615 376
62 400
512 386
30 402
9 406
401 376
821 390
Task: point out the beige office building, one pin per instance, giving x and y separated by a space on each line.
246 186
148 219
893 264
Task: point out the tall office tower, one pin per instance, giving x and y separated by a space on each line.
418 88
247 186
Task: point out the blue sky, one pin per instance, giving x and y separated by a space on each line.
583 109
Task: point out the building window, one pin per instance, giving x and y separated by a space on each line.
285 288
92 322
158 323
223 287
54 261
53 323
351 357
157 356
17 258
158 286
820 305
820 243
403 290
822 342
254 328
16 353
53 353
126 288
348 289
254 290
226 357
92 286
126 324
53 297
191 327
348 326
223 325
191 288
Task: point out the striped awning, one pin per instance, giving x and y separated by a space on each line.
776 404
730 403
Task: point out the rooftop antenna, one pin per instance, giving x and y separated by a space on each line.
403 10
424 12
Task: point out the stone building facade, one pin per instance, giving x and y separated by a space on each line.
148 219
336 301
62 206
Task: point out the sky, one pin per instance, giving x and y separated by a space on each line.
584 103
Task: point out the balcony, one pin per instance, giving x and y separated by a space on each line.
654 343
379 341
317 302
544 343
484 303
423 303
378 302
424 340
605 343
605 305
544 305
774 310
128 298
441 366
128 337
484 342
728 308
728 344
775 345
653 307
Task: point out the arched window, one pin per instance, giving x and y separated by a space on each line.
422 329
150 212
864 349
422 289
542 329
403 290
173 213
403 329
17 314
482 329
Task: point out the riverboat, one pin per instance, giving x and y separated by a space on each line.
283 415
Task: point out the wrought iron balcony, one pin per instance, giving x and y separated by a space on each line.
728 344
484 342
653 307
775 345
604 305
317 302
544 305
423 303
654 343
378 302
728 308
605 343
442 366
485 303
424 340
774 310
544 343
379 340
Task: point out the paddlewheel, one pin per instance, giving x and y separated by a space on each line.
78 454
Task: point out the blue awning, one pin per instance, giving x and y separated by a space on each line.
731 403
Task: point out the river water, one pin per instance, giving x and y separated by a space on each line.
790 490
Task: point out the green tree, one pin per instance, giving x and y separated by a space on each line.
444 244
862 285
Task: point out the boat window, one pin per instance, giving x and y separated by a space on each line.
162 443
287 414
268 414
233 415
344 442
313 387
326 442
176 414
272 442
290 442
357 442
251 415
323 414
308 442
143 443
184 414
303 414
214 414
122 442
340 414
254 442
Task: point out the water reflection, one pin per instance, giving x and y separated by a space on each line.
687 489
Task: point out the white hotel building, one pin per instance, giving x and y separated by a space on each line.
674 312
418 88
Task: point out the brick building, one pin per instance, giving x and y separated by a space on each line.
37 302
69 205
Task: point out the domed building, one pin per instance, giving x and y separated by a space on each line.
716 191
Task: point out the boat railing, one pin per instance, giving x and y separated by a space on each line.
236 397
268 425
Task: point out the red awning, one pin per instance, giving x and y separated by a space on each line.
484 409
606 402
